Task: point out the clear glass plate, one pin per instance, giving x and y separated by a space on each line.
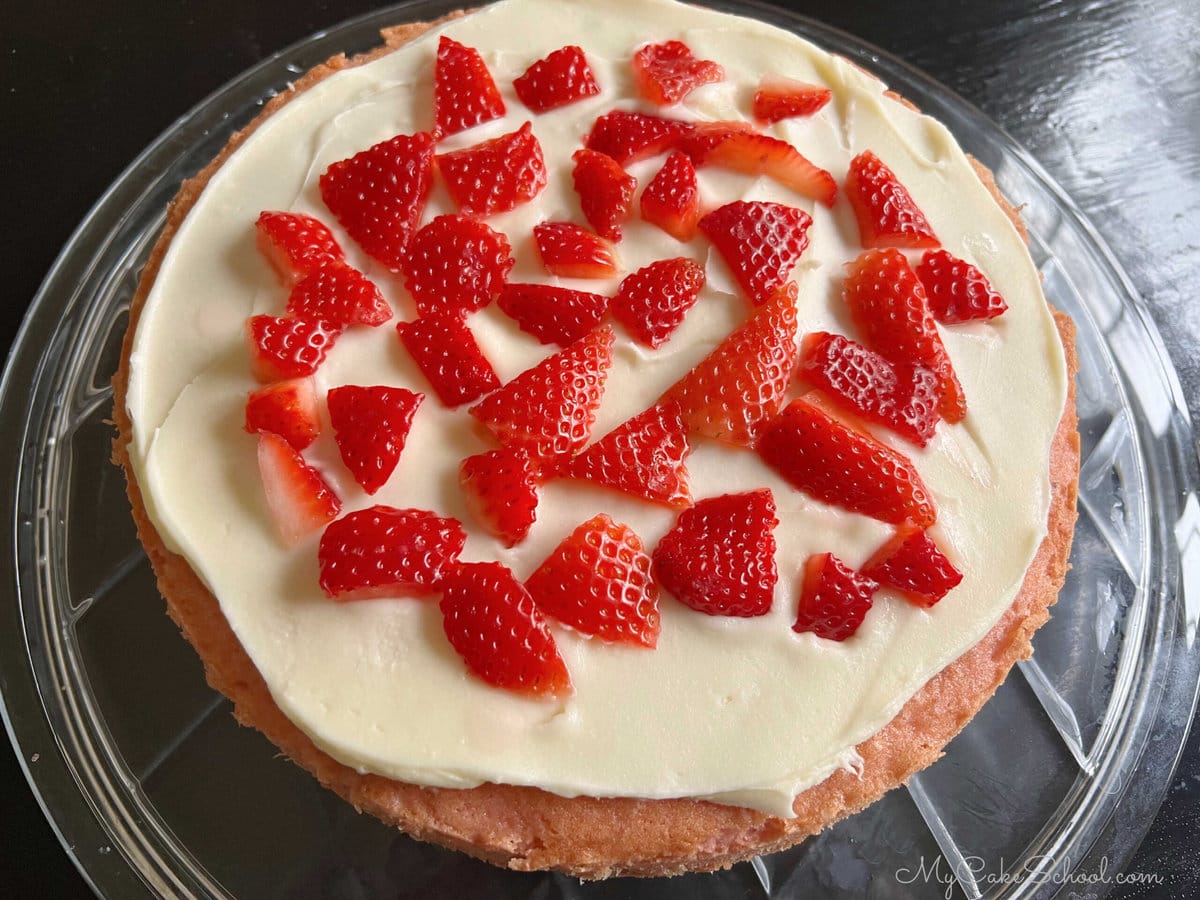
154 789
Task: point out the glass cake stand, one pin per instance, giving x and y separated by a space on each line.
154 789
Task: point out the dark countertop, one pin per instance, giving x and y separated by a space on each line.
1105 94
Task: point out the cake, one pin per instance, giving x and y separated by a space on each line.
782 660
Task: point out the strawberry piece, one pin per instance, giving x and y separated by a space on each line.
785 98
549 409
629 136
605 192
761 154
298 497
500 488
379 194
888 305
760 241
371 425
719 558
666 73
492 622
285 408
956 290
570 251
552 314
464 93
598 582
561 78
652 301
447 354
283 348
295 244
497 175
456 264
382 551
911 563
834 599
843 467
672 198
887 214
339 293
732 393
700 140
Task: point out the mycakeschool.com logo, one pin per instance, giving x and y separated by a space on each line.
1034 870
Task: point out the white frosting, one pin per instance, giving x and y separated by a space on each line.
741 711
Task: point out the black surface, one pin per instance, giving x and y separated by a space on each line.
1105 94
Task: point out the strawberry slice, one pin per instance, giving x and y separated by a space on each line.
561 78
785 98
379 194
339 293
492 622
549 409
298 497
834 599
733 392
911 563
760 154
956 290
497 175
283 347
843 467
644 456
719 558
605 192
887 214
371 425
447 354
552 314
382 551
760 241
672 198
464 93
598 582
570 251
295 244
456 264
888 305
500 488
629 136
666 73
705 135
652 301
285 408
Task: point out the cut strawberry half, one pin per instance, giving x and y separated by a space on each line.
719 558
834 599
652 301
339 293
887 214
760 241
573 252
371 425
760 154
552 314
447 354
497 175
299 499
295 244
598 582
672 198
605 192
286 408
705 135
785 98
911 563
500 488
956 290
561 78
629 136
464 93
282 347
666 73
456 264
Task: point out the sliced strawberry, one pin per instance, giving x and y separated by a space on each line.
382 551
464 93
552 314
561 78
371 425
761 154
598 582
573 252
456 264
286 408
447 354
629 136
652 301
497 175
283 347
337 292
672 198
785 98
500 488
605 192
887 214
760 241
911 563
705 135
834 599
300 500
719 558
843 467
379 194
492 622
956 290
666 73
295 244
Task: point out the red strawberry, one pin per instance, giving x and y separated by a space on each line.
371 425
843 467
672 198
784 98
719 558
300 500
497 175
652 301
705 135
834 599
561 78
288 348
888 305
464 93
549 409
456 264
501 491
285 408
552 314
911 563
629 136
447 354
573 252
337 292
492 622
382 551
598 582
605 192
760 154
760 241
887 215
379 194
666 73
295 244
956 290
